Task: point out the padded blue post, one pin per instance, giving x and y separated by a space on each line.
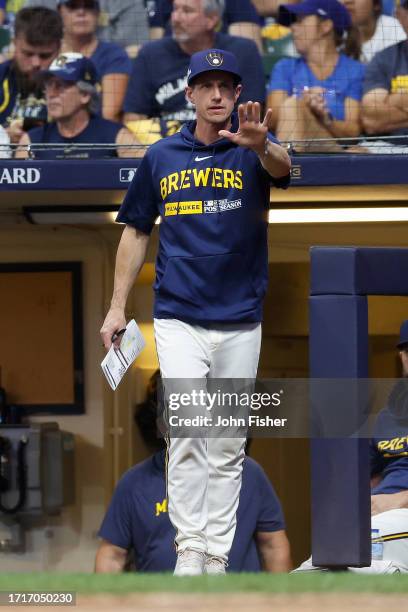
340 467
341 278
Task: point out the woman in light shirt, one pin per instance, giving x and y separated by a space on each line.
377 31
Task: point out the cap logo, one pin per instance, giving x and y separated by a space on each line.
321 12
214 59
61 61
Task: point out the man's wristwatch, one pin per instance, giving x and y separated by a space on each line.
265 151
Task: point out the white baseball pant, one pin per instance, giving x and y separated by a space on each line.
393 529
204 474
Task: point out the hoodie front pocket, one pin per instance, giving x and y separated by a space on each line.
209 280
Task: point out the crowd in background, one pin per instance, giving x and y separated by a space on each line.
330 69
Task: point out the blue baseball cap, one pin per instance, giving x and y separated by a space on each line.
213 59
72 67
403 339
326 9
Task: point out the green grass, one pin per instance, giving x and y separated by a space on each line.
255 583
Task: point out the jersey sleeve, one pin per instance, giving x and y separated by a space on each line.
377 75
280 78
376 460
118 62
139 95
140 206
270 516
116 526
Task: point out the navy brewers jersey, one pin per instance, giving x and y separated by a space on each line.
137 517
19 99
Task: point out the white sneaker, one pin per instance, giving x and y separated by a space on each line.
190 562
215 566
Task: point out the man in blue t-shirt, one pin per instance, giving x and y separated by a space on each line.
72 99
385 99
239 18
157 84
137 521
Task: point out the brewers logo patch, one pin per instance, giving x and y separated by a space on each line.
214 59
61 61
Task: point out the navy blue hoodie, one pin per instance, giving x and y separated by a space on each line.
212 264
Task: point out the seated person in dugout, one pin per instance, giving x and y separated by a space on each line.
385 99
137 522
71 99
317 96
389 479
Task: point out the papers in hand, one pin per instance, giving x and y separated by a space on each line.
118 360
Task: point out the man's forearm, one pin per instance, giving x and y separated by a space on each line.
275 560
107 563
274 551
389 501
129 260
275 160
386 116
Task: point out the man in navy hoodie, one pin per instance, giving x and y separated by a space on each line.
210 184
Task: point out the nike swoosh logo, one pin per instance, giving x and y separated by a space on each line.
202 158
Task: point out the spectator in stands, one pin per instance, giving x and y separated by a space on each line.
157 85
38 34
113 66
123 22
71 96
376 31
2 11
318 94
137 518
239 18
385 100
